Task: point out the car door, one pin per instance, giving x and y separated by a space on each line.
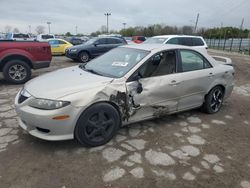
160 89
196 75
100 47
55 48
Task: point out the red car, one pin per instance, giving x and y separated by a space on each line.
17 58
138 39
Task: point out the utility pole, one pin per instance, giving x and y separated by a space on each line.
241 25
107 14
196 23
76 29
124 25
49 26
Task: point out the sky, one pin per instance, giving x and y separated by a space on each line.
88 15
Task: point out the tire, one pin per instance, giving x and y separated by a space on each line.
97 125
16 71
84 57
213 100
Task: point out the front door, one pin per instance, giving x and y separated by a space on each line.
160 87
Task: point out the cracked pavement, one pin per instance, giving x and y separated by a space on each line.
189 149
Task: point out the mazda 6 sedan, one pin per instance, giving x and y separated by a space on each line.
128 84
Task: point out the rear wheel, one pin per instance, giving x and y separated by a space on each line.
213 100
16 71
97 125
84 57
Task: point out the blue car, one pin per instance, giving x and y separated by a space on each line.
93 48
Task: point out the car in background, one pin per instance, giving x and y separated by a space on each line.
45 37
128 84
17 58
75 40
186 40
93 48
138 39
18 36
59 46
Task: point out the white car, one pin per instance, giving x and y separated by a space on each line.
125 85
45 37
187 40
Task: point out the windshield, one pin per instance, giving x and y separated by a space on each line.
90 41
116 63
155 40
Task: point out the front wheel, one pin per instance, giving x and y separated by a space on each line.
97 125
84 57
16 71
213 100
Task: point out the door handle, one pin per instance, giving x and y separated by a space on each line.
210 74
174 83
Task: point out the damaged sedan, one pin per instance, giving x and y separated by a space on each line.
90 102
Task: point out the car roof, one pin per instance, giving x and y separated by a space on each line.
168 36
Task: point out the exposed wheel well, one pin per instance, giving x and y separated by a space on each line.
222 87
12 57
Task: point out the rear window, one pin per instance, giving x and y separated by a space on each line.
20 36
197 42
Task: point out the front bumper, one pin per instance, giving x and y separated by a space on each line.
40 123
72 55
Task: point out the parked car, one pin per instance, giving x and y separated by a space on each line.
93 48
187 40
125 85
59 46
138 39
45 37
75 40
18 36
17 58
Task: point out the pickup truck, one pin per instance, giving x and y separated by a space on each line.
17 58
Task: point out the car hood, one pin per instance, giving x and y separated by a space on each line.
63 82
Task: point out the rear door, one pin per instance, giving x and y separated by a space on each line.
196 75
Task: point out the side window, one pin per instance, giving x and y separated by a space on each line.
197 42
173 41
102 41
160 64
193 61
61 42
53 42
186 41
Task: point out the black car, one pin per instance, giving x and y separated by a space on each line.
93 48
75 40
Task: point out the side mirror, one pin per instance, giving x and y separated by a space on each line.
96 43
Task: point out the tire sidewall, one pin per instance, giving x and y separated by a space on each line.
85 54
12 63
207 105
80 125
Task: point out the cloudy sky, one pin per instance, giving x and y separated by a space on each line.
88 15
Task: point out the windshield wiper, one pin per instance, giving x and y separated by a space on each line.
92 71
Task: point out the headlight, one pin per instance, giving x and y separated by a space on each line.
46 104
73 50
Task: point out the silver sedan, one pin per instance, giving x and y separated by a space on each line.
128 84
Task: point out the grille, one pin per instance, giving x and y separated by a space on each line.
22 99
